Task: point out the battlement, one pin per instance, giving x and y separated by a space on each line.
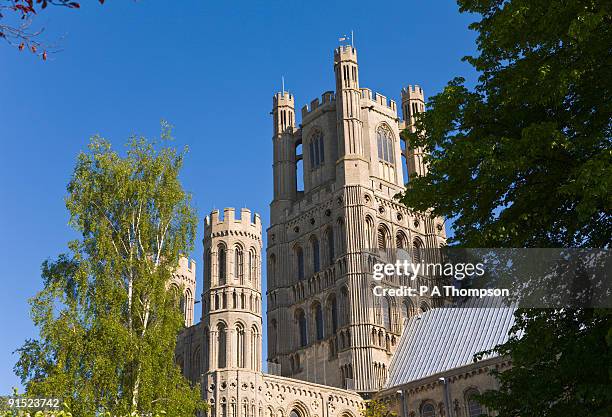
378 98
345 53
283 98
245 222
186 266
327 97
412 93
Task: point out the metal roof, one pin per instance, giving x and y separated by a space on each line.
448 337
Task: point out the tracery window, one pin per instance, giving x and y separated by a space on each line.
386 153
385 145
316 150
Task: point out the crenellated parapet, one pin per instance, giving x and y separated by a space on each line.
412 92
245 224
345 53
379 99
328 97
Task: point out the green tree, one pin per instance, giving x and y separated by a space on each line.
377 408
523 159
107 322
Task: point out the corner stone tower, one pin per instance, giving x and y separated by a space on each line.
231 306
185 278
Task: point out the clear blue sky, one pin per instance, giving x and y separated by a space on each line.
209 68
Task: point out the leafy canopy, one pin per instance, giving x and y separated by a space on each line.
107 322
524 159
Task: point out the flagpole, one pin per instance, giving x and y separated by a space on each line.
352 44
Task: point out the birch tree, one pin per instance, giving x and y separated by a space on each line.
107 321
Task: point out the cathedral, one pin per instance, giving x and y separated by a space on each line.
332 344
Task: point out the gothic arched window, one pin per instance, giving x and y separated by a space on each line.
383 236
254 348
318 317
188 307
221 345
273 336
253 267
333 311
206 349
299 255
316 150
369 232
208 267
240 347
316 260
417 251
345 306
400 240
385 145
473 407
428 410
303 329
197 369
272 270
221 263
386 313
239 264
330 245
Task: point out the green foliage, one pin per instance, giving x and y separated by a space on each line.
561 366
107 323
377 408
525 159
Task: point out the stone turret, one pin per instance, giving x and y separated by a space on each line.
413 103
354 167
284 146
232 291
184 280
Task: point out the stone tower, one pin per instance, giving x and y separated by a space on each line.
231 303
184 281
324 323
413 102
